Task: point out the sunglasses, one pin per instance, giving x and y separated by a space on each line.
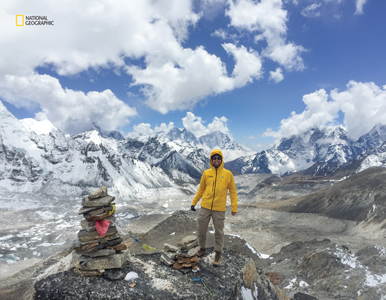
216 157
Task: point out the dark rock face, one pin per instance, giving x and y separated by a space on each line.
324 270
237 278
362 197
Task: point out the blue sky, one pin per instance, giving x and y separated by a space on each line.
260 70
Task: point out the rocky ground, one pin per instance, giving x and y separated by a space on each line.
311 253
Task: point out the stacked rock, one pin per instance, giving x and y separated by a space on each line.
184 256
100 244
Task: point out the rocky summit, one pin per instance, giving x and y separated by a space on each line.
148 278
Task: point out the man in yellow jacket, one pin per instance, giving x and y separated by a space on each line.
214 185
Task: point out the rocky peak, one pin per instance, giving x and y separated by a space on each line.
375 137
214 139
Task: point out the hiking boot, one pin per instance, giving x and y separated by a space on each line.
217 259
201 252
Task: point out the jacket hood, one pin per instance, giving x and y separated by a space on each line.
216 151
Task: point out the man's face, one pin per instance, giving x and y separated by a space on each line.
216 160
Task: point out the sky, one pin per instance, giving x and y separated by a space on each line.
259 70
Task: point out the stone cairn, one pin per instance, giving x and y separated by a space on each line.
99 253
183 257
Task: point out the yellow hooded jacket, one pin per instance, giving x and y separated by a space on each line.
214 186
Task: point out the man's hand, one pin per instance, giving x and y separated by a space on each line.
192 208
234 213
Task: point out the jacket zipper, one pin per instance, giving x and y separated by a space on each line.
214 193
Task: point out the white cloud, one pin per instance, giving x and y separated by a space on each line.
260 146
195 125
269 18
363 106
248 64
144 129
276 75
359 6
69 110
311 11
194 75
92 34
164 127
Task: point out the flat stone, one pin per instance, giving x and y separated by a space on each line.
193 259
177 265
101 192
190 253
85 210
166 260
108 262
189 246
82 247
120 247
98 253
104 201
168 247
87 236
101 216
88 225
98 211
187 240
87 273
105 245
114 274
170 255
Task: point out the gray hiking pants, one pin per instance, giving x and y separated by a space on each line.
203 219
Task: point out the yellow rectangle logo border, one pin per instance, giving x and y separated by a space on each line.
23 20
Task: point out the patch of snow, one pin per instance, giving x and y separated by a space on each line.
346 258
9 258
248 294
374 279
173 233
303 284
131 275
291 284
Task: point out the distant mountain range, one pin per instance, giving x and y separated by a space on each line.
319 151
37 157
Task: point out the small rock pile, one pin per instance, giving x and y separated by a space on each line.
104 249
184 256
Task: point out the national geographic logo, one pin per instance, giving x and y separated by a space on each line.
32 20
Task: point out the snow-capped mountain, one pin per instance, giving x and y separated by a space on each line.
37 157
179 149
324 150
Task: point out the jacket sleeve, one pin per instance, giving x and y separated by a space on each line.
201 190
233 194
